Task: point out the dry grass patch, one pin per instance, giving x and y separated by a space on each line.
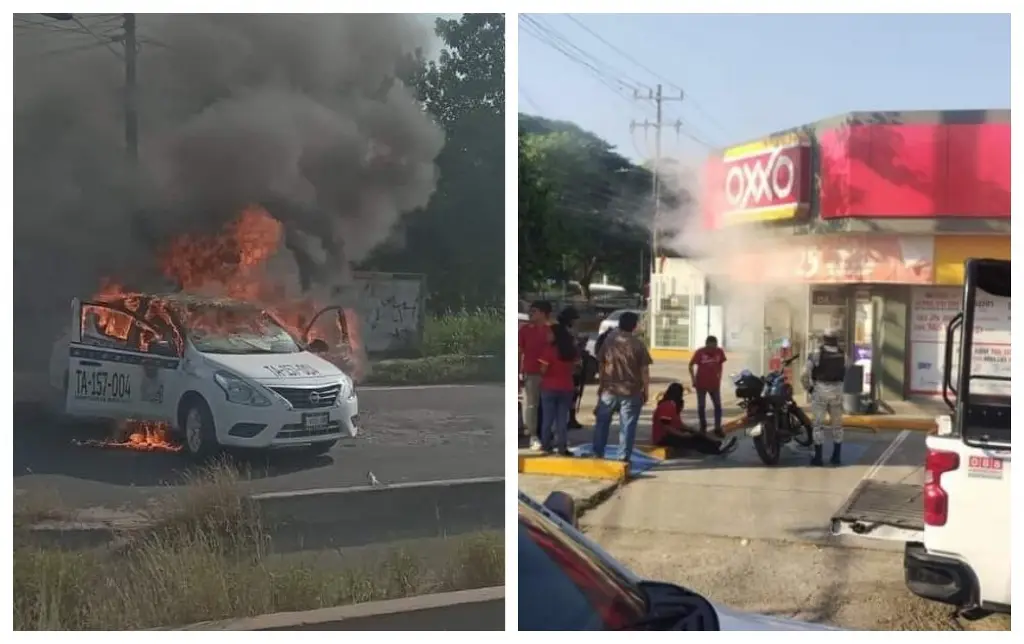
205 555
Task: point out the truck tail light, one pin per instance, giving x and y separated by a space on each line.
936 500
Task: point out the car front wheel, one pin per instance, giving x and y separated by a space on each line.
199 433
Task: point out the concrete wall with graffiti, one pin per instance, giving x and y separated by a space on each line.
391 308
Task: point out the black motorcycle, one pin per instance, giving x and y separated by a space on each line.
772 416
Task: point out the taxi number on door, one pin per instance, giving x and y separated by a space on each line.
102 385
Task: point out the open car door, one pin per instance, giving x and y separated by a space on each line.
109 374
339 331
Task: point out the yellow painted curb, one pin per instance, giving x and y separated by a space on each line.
671 355
654 451
590 468
878 423
890 423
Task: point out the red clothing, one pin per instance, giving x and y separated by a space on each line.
532 340
709 368
664 414
558 376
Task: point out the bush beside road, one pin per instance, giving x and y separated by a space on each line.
458 347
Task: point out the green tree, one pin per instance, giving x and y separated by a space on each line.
458 239
599 199
539 256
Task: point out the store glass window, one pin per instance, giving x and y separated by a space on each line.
672 322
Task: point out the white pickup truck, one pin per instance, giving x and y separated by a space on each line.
219 372
956 521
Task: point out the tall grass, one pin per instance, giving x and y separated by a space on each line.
207 556
465 333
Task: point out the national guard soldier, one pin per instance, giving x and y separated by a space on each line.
823 378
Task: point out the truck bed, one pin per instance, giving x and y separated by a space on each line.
881 510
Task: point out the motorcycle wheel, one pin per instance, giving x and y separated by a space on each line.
797 418
767 444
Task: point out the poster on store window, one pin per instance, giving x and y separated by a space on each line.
931 311
828 313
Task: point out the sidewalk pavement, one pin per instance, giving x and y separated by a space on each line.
915 415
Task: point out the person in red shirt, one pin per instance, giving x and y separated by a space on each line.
667 429
706 376
557 389
533 337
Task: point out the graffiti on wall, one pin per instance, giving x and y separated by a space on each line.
390 308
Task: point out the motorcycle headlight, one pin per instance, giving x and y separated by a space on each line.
238 391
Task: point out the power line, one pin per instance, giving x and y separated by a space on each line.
105 41
611 82
693 101
607 69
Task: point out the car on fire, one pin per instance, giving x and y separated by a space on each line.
220 373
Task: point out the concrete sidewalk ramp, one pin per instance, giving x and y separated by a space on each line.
482 609
357 516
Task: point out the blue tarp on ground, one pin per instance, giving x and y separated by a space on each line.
638 461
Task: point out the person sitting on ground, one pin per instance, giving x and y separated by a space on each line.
669 431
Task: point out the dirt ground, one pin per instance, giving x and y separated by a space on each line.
852 588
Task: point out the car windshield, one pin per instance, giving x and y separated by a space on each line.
564 585
239 329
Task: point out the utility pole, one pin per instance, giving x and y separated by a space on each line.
131 113
658 98
131 51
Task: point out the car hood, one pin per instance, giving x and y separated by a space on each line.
303 368
734 620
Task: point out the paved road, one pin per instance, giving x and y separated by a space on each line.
755 538
411 434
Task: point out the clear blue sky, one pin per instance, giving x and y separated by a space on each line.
749 75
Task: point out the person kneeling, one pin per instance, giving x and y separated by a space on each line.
668 429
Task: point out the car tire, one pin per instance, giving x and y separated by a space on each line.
319 449
199 435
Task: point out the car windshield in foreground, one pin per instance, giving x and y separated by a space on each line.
566 586
237 330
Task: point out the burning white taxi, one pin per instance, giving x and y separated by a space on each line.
218 372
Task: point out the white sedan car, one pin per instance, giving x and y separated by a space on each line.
219 372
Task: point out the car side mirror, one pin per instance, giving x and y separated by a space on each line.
163 348
563 506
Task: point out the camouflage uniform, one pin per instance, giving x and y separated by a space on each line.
827 398
829 364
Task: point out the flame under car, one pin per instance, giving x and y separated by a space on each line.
216 372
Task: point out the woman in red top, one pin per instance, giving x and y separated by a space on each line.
668 429
557 389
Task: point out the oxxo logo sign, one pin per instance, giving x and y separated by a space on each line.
766 180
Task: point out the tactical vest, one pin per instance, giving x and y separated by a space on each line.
831 367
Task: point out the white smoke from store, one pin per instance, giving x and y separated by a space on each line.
716 253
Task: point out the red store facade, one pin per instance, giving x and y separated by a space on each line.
860 223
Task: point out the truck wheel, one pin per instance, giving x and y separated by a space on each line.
200 436
319 449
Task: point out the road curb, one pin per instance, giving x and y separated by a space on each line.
328 518
588 503
331 618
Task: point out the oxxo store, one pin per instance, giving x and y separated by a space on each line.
861 224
